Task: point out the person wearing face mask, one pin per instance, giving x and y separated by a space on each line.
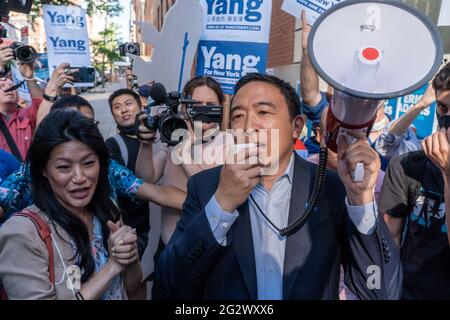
399 137
314 101
206 91
415 198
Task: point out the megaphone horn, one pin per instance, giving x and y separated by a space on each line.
364 50
377 63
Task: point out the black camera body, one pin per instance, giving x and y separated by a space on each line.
166 123
24 53
207 113
3 33
169 120
129 48
82 74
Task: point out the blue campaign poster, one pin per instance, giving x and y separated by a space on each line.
425 122
228 61
235 40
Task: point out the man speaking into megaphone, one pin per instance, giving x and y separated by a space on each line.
230 244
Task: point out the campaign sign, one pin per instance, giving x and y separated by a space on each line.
235 39
313 8
67 37
237 20
228 61
425 123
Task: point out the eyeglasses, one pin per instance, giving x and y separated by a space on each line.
14 87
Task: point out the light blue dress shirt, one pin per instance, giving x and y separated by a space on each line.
269 246
389 145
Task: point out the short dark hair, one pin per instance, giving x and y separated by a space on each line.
200 81
442 79
120 92
288 92
72 101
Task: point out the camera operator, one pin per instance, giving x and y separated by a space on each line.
208 92
17 124
15 190
125 104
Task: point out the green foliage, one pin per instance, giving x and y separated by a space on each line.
111 8
105 50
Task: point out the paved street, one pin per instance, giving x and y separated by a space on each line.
99 99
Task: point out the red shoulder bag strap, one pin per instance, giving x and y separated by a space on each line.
45 234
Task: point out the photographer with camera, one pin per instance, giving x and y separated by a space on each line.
125 104
17 125
207 92
15 190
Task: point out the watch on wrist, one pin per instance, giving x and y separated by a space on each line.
50 98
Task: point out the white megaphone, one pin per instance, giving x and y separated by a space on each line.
370 51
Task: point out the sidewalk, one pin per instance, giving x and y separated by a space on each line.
99 100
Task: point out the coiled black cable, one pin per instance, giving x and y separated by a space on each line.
315 197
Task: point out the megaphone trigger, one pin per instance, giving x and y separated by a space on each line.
351 137
358 173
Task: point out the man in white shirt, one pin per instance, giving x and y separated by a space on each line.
228 243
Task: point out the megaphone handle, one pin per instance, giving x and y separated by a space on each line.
358 173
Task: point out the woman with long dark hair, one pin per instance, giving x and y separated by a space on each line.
94 255
207 92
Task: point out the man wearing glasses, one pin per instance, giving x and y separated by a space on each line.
17 124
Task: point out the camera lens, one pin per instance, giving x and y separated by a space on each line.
170 125
151 122
131 48
26 54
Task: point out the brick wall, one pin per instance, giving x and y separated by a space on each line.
281 44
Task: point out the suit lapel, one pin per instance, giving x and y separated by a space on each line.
242 243
298 244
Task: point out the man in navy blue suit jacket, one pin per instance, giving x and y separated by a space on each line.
228 245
